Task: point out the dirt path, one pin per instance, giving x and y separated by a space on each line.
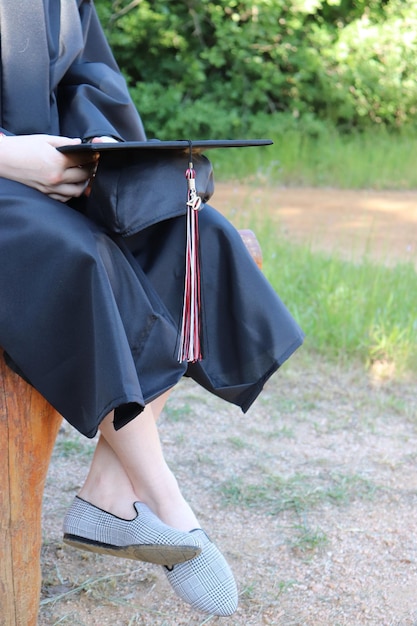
312 495
383 224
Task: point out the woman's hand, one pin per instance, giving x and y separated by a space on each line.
34 161
104 139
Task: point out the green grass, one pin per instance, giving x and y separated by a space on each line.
374 159
297 493
307 539
362 310
178 414
69 448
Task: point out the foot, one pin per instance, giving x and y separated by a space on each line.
144 538
206 582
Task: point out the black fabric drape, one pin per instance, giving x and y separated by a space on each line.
89 317
24 49
59 75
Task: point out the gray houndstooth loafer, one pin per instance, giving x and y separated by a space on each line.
145 538
206 582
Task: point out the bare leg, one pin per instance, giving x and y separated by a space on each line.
107 485
129 465
157 405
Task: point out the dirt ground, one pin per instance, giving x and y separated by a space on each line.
352 223
312 496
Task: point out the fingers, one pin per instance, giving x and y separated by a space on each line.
73 181
77 177
104 139
73 159
65 192
78 169
80 173
57 142
77 182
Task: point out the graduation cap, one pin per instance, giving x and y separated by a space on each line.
140 183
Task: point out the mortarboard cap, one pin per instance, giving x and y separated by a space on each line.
139 183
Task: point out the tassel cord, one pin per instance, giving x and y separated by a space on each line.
190 345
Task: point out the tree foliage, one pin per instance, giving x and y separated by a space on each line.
202 68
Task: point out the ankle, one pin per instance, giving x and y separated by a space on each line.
176 512
117 503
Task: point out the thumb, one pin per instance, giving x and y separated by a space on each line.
58 142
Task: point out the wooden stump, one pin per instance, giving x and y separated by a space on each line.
253 245
28 429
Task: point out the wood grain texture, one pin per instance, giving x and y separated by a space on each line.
29 426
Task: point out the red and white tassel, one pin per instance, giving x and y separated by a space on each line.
190 341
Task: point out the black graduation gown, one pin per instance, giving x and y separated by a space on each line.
91 319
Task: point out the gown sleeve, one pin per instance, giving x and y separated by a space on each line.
93 97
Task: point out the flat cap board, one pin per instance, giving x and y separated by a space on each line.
181 144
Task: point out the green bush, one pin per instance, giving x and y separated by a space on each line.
211 63
199 68
374 70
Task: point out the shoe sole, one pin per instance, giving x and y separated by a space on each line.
150 553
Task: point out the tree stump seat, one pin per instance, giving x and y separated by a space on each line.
29 426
